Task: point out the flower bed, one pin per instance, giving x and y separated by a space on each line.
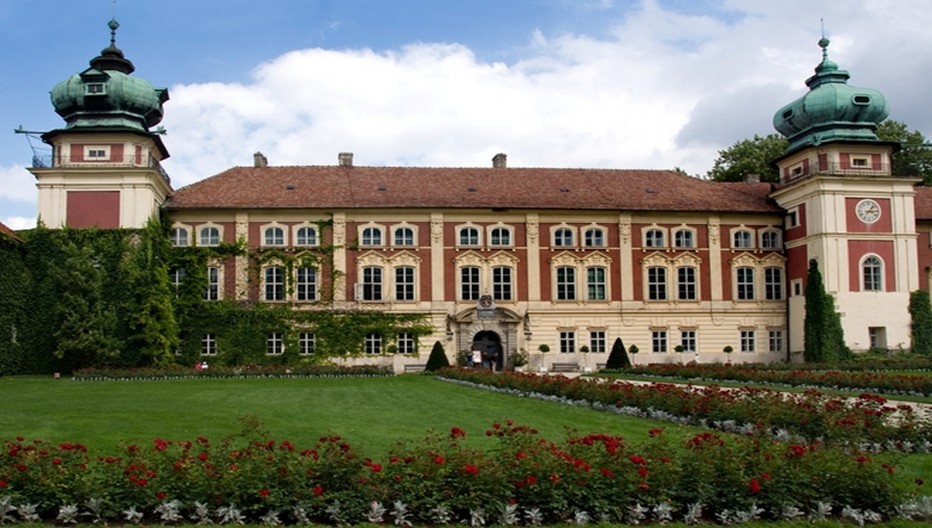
250 371
836 379
524 480
867 421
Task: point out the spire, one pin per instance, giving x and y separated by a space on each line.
111 57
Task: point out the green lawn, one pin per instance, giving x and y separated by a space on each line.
371 413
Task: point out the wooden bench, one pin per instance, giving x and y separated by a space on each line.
415 367
564 367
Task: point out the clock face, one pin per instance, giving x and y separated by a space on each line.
868 211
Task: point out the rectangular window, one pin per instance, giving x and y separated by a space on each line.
306 343
404 283
97 153
657 284
597 341
792 219
745 284
595 284
773 284
306 285
372 283
209 345
878 337
373 343
212 293
274 344
686 283
775 340
94 88
274 284
566 284
748 341
176 276
658 341
406 343
501 283
469 283
688 341
567 342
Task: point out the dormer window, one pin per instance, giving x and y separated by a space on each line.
96 153
95 89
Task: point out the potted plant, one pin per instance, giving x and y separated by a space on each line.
680 349
728 350
543 348
519 359
633 350
585 351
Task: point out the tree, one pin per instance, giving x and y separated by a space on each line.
618 357
438 358
914 157
920 311
749 156
824 338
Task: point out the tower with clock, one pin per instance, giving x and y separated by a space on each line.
846 210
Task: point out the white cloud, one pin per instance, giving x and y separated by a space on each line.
18 184
664 89
19 222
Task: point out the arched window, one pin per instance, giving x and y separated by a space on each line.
770 240
179 236
742 239
404 236
654 238
683 238
209 236
469 236
274 236
594 237
306 236
872 271
500 236
372 236
563 237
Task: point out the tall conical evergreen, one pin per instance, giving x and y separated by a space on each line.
618 358
824 338
438 358
920 311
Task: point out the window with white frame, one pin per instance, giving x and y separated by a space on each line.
597 341
176 276
770 240
500 237
653 238
274 283
97 153
566 283
371 236
656 283
274 344
406 343
688 340
372 283
306 283
872 273
684 238
775 340
502 283
404 236
742 239
686 283
563 237
179 237
567 342
209 236
594 237
469 283
404 283
373 343
595 283
307 341
306 236
748 341
773 284
212 293
744 283
209 345
274 236
469 236
658 341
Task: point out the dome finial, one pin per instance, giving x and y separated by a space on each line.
114 26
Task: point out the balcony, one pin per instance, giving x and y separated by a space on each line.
135 161
813 166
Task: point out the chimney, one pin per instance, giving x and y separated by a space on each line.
346 159
500 161
752 178
259 160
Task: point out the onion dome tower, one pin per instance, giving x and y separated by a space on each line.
846 210
105 169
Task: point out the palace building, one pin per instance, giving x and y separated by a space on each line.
504 259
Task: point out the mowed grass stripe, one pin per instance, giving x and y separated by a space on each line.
371 413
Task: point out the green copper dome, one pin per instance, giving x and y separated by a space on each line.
832 110
105 96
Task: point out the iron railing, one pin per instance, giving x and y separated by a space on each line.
49 161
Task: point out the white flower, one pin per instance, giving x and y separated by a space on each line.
28 512
131 515
68 514
663 512
533 516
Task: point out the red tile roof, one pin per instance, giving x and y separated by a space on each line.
7 232
335 187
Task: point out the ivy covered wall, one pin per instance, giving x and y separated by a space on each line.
75 298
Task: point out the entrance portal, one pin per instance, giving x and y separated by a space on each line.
490 344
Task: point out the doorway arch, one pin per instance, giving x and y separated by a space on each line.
489 343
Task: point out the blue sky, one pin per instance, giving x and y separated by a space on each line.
558 83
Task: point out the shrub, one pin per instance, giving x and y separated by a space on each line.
618 358
438 358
